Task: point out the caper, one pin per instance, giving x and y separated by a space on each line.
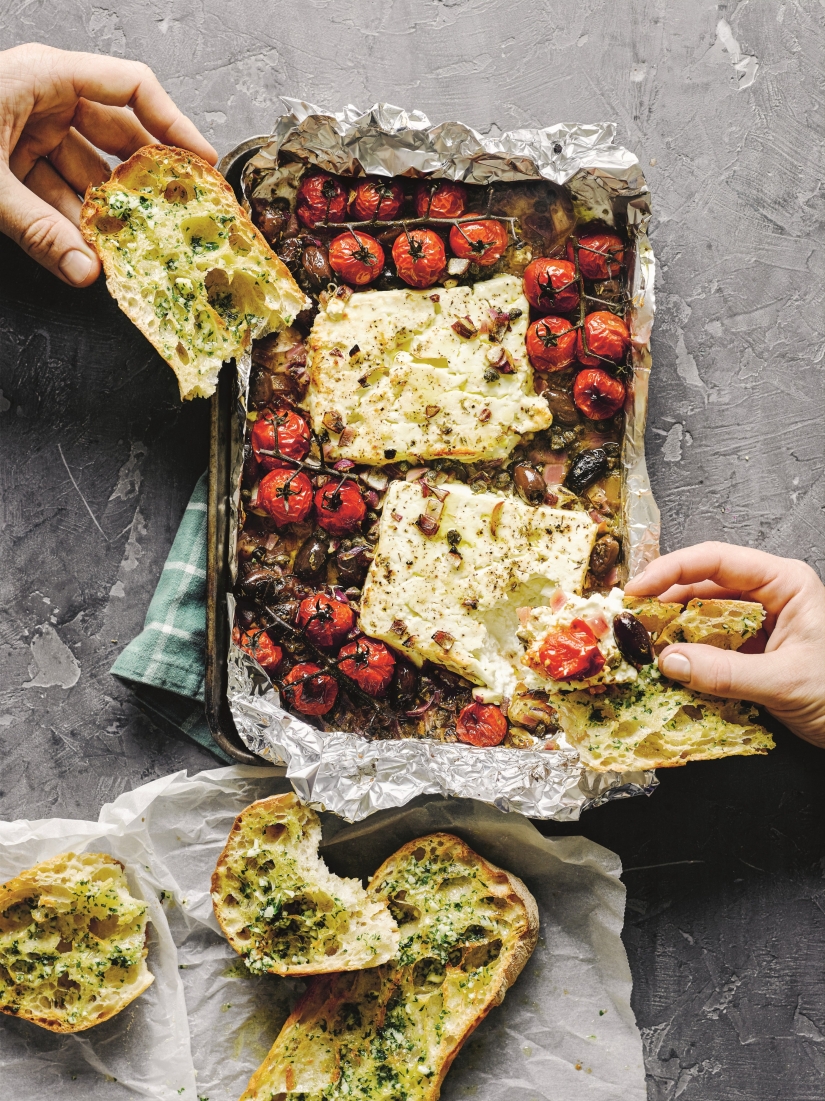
311 558
529 484
587 467
561 406
604 555
633 640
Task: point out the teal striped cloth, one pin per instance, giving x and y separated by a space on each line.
165 664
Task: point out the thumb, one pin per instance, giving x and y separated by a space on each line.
45 234
724 673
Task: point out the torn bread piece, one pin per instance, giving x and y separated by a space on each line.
654 615
467 930
280 906
727 624
72 943
186 264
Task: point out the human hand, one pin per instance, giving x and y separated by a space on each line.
57 109
788 678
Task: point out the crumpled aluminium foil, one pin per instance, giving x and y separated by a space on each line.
348 774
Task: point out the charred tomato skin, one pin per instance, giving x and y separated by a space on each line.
597 394
369 663
601 255
481 724
483 242
340 507
356 257
324 620
419 257
440 199
607 336
378 199
259 646
283 431
571 653
286 496
551 344
308 689
550 285
321 198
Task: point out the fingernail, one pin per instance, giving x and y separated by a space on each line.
75 266
676 666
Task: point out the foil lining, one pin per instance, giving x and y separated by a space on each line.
345 773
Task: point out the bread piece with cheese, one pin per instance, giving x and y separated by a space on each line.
726 624
186 264
72 943
280 906
467 930
392 379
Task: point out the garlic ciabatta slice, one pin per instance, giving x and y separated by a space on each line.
467 930
280 906
72 943
186 264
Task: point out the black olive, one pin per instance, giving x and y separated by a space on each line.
316 265
353 563
587 467
529 484
633 640
250 467
561 406
270 218
290 252
404 683
604 555
311 558
261 584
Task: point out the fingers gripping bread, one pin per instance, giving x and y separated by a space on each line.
280 906
186 264
72 943
467 930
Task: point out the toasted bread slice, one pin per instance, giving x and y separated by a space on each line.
72 943
654 615
186 264
726 624
280 906
467 930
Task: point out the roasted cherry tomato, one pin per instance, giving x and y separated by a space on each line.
283 432
550 285
309 690
369 663
325 621
601 255
482 242
571 653
551 344
321 198
286 495
597 394
419 257
340 507
259 646
377 199
440 199
607 337
481 724
356 257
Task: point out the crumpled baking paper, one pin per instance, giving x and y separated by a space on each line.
565 1030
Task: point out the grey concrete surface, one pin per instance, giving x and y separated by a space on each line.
723 102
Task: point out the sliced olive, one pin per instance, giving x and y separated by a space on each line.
561 406
587 467
633 640
311 558
529 484
604 555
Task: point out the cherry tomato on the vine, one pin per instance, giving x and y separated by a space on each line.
282 432
340 507
286 495
309 690
325 621
481 724
597 394
482 242
551 344
601 255
419 257
377 199
356 257
369 663
440 199
571 653
259 646
607 337
321 198
550 285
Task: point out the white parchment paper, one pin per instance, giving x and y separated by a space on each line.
566 1029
